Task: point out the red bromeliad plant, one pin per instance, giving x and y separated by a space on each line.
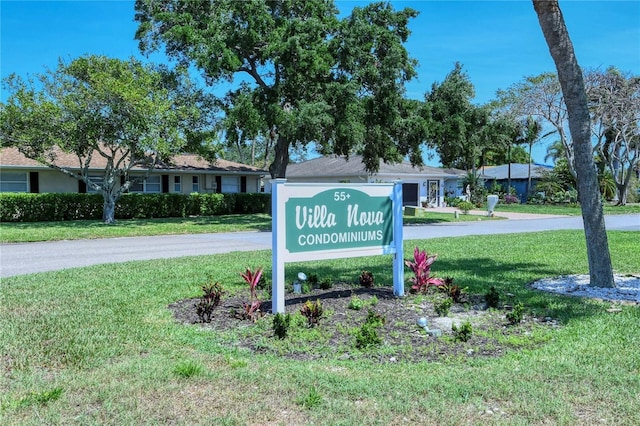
251 310
421 268
252 278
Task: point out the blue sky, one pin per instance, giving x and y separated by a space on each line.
498 42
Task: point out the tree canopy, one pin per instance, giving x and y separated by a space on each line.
309 76
463 134
129 113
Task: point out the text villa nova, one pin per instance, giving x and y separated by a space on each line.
318 217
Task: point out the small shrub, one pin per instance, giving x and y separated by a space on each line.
492 297
442 308
251 311
209 301
312 279
373 301
515 316
356 303
374 319
312 311
367 335
326 283
421 268
465 206
366 279
510 199
281 325
462 333
455 292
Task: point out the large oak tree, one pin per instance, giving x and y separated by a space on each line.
310 77
131 114
575 97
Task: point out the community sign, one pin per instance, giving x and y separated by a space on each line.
326 221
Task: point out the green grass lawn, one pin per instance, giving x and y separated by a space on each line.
564 209
98 345
20 232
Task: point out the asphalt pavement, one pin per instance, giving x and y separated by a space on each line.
28 258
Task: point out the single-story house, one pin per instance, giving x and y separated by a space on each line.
517 173
185 173
420 185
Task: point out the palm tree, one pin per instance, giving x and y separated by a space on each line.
555 151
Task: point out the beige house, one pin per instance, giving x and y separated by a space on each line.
425 184
184 174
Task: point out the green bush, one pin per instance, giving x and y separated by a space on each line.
26 207
465 206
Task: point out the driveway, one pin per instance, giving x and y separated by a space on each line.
27 258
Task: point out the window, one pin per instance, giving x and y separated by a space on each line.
94 179
151 184
14 182
177 184
195 184
230 184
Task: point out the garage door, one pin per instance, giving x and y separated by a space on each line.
410 194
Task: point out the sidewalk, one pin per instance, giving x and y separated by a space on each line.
497 213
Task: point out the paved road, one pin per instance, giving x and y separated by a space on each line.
27 258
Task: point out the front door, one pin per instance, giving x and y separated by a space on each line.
434 192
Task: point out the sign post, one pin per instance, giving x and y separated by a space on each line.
327 221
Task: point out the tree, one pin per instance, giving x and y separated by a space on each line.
459 131
541 98
573 88
128 113
310 76
615 113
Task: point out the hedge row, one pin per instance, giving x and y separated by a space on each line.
21 207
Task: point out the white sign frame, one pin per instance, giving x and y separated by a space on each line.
282 191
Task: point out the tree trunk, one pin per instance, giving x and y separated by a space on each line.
572 83
278 167
109 208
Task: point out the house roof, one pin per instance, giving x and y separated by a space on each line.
518 171
11 157
340 166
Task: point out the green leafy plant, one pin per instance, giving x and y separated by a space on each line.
326 283
421 268
312 279
188 369
442 307
465 206
281 324
209 301
515 315
462 333
312 311
311 399
356 303
366 279
492 297
375 319
367 335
